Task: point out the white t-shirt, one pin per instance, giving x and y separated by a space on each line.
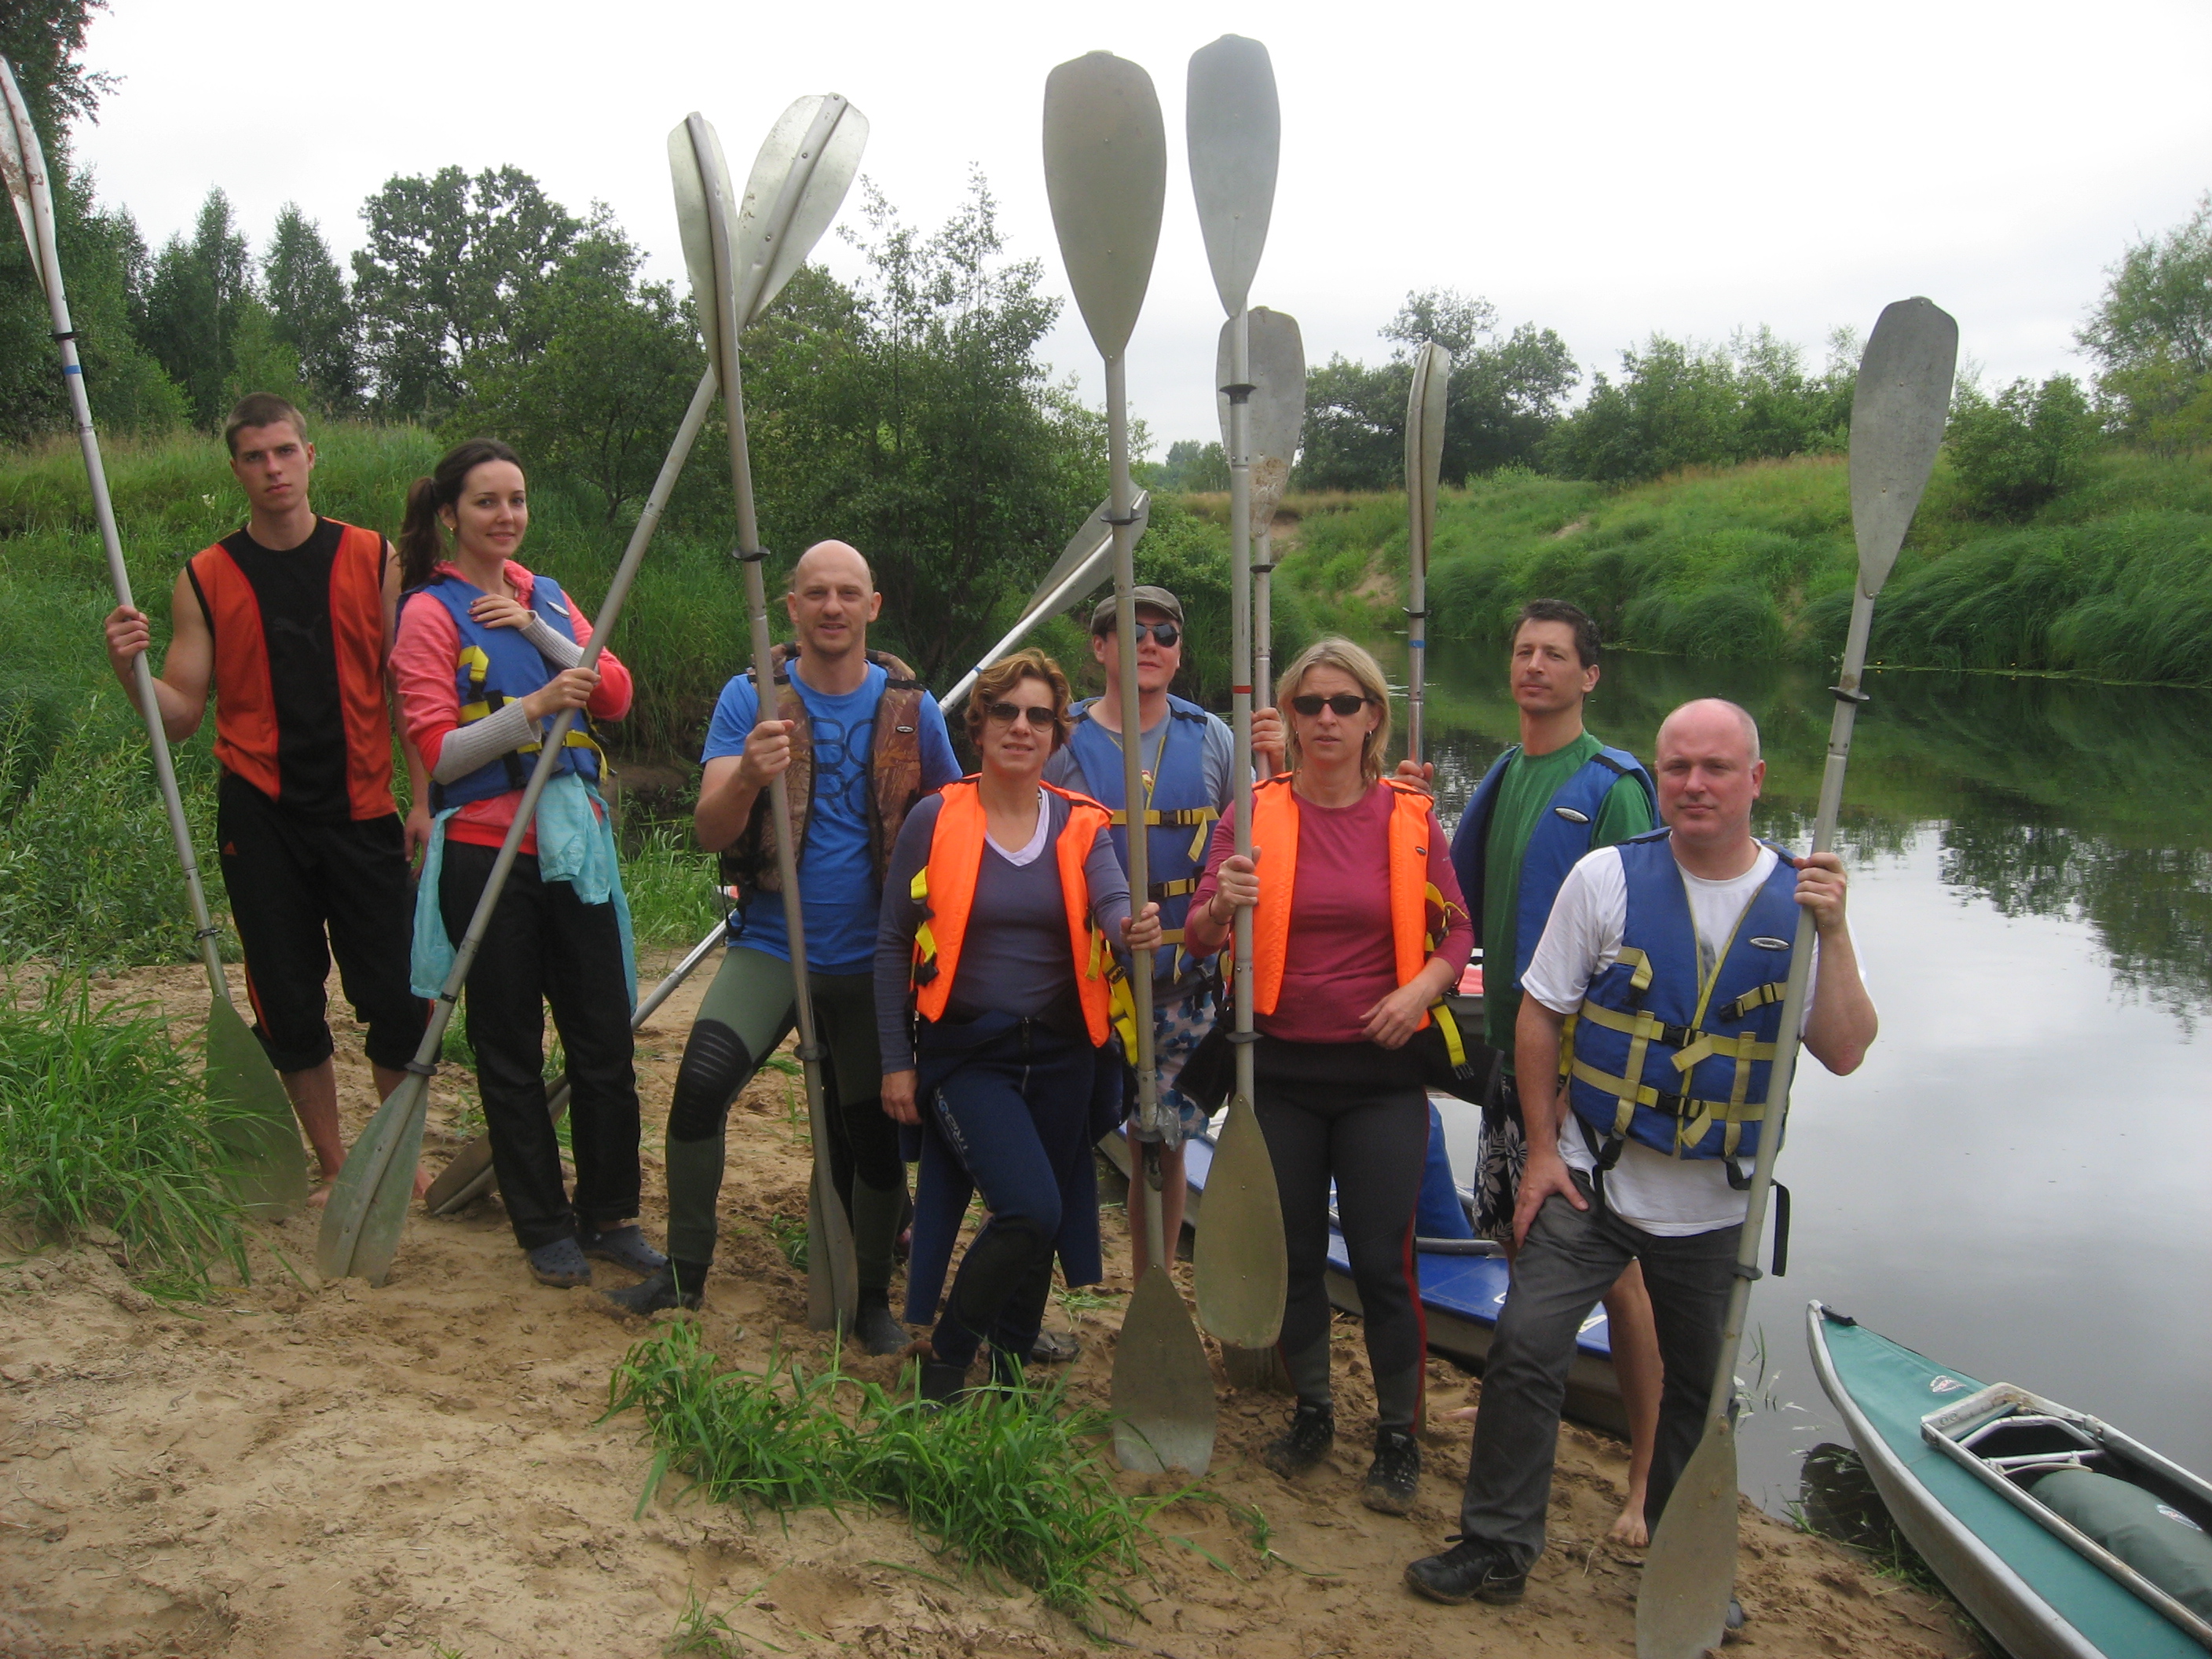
1672 1197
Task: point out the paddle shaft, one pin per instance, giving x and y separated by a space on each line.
1077 582
842 1281
46 257
424 1066
1263 621
1136 798
1239 393
1847 698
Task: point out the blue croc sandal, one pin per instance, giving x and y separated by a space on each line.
560 1264
626 1248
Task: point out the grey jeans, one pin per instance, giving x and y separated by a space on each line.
1570 1262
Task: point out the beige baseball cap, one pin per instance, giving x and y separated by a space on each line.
1156 598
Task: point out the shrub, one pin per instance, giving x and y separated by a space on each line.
2025 447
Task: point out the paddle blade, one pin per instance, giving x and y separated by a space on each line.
1689 1573
833 1275
1093 544
1425 440
368 1207
1163 1388
252 1116
1241 1272
694 226
1106 175
20 155
1235 129
1276 415
1899 411
798 182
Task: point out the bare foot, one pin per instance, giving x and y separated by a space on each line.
1628 1529
321 1195
423 1179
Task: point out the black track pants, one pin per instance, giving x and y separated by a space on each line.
1356 1115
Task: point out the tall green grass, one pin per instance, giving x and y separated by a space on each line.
104 1123
1011 1482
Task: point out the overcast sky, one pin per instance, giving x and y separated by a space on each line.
1607 170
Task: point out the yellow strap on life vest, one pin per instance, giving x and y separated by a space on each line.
1168 889
1703 1044
1757 997
1448 1023
925 942
1691 1125
1174 818
473 659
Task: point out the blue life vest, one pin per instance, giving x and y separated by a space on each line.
1560 840
1179 816
495 666
1654 1055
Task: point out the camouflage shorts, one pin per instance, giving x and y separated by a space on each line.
1497 1178
1181 1020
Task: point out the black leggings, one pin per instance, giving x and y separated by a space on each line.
1358 1114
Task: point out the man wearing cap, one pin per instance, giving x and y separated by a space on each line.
1189 763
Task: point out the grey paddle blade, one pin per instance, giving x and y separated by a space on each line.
1899 411
251 1116
798 182
1106 175
1425 440
695 226
1241 1272
368 1207
1094 543
1235 128
1276 415
1163 1388
15 168
1689 1573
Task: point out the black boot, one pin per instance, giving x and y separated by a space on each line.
1468 1571
874 1328
1395 1474
663 1289
1312 1433
942 1382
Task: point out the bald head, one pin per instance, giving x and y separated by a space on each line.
838 561
1708 721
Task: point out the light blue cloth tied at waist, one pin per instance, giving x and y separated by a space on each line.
575 844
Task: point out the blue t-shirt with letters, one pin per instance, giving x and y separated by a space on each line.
837 879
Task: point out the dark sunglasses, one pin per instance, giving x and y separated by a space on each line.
1344 703
1039 719
1167 634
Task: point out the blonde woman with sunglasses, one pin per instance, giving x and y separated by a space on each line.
1358 929
993 978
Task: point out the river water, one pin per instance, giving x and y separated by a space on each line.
2018 1181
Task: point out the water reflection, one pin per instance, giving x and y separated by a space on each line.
2047 798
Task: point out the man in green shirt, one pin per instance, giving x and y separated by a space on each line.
1548 801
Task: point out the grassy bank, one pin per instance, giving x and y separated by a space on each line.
2112 580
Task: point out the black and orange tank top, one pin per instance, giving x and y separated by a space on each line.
299 669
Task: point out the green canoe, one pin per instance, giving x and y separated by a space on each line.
2034 1592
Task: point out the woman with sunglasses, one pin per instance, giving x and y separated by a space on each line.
1358 929
993 987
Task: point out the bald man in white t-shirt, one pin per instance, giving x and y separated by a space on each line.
1714 910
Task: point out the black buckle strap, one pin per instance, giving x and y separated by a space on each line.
753 557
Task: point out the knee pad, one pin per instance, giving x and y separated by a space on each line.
716 1064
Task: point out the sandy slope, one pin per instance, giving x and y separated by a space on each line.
297 1470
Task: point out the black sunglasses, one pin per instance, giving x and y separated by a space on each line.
1166 633
1345 704
1039 719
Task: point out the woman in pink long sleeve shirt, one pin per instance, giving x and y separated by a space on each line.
488 653
1339 995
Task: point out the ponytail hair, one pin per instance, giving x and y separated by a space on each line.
422 538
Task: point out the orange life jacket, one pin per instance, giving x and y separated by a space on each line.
944 887
247 737
1417 908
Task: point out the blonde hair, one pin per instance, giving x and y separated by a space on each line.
1354 662
1003 676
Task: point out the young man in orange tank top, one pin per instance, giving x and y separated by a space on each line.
289 621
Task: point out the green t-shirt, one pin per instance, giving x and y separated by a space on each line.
1523 792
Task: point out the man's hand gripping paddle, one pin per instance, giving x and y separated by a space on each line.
252 1116
1898 414
1241 1270
739 256
1426 403
368 1209
1105 172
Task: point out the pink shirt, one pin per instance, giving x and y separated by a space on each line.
1340 961
422 659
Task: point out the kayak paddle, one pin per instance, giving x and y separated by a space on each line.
739 256
1278 405
469 1176
1425 464
1105 174
1239 1266
367 1208
252 1116
1898 414
1072 575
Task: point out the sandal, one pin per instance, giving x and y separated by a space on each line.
626 1248
560 1264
